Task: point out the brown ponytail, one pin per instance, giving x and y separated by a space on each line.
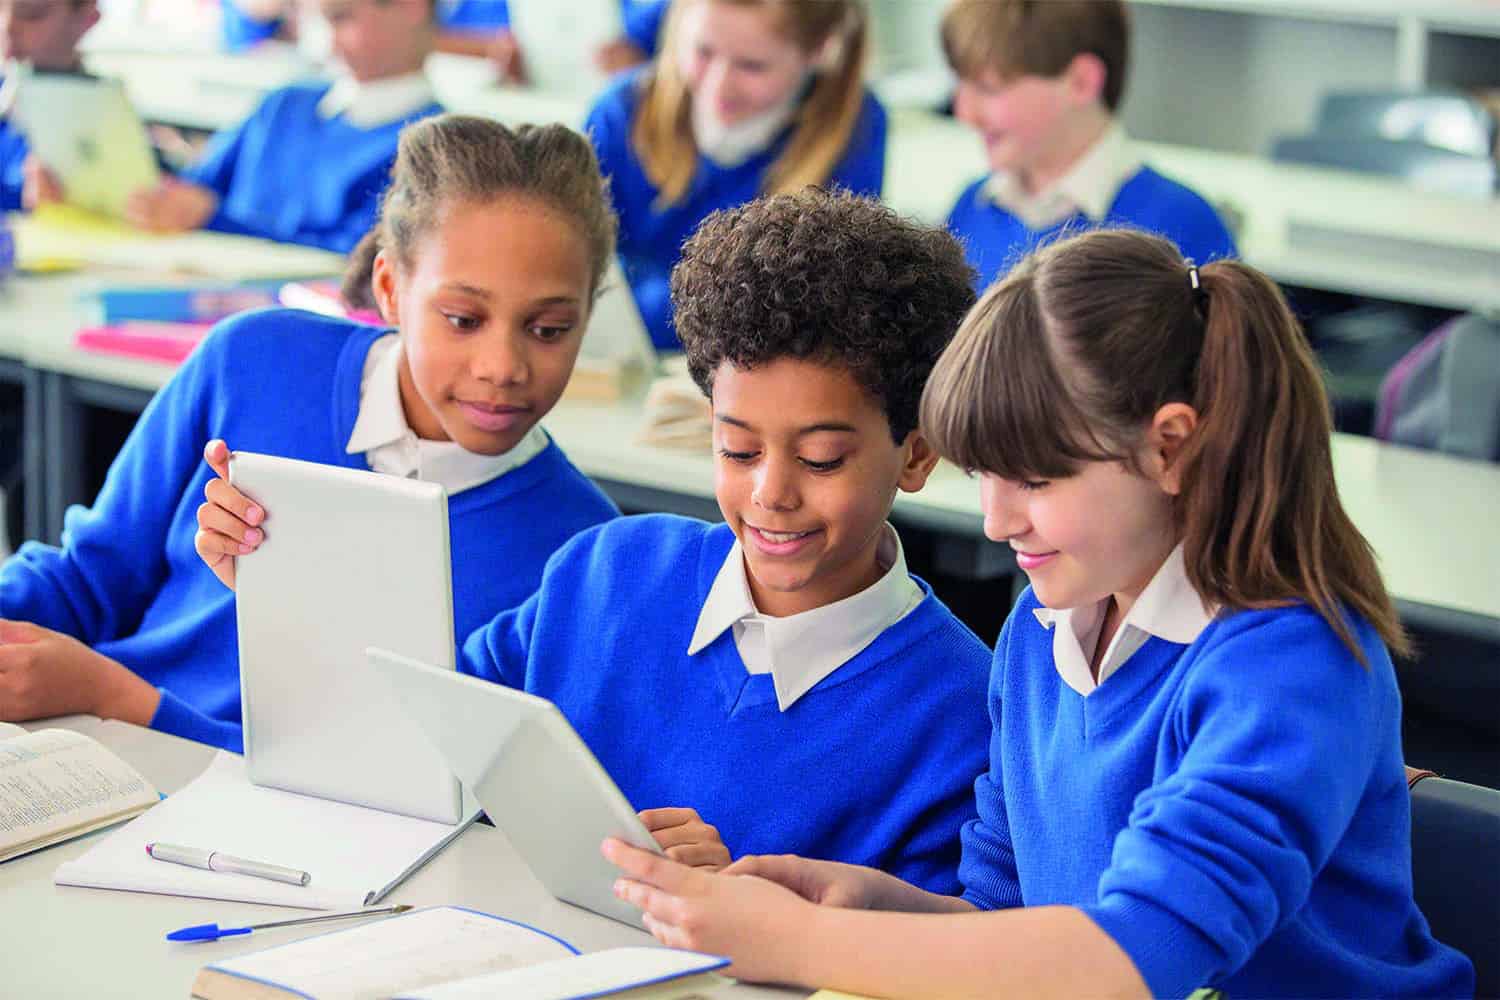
355 290
1069 357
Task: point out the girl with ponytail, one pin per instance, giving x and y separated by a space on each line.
1195 774
745 98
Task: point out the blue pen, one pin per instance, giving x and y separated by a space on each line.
212 932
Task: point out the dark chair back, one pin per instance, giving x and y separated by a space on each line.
1455 858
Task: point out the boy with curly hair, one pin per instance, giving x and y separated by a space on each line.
781 675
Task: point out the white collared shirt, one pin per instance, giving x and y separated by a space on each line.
392 447
376 102
1169 608
800 650
1089 185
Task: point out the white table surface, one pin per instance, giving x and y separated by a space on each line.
66 941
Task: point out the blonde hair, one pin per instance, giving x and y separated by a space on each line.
1068 358
662 133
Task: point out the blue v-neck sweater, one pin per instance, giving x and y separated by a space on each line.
651 235
995 240
287 173
127 579
1234 813
875 765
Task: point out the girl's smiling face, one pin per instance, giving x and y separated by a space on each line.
492 310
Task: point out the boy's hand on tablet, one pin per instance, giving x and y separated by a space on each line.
228 521
45 673
39 185
685 838
173 206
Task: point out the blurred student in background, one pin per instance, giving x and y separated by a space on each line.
1041 83
747 97
482 28
310 162
466 27
44 33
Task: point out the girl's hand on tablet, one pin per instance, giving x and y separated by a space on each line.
228 522
685 838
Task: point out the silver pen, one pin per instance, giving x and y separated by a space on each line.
218 861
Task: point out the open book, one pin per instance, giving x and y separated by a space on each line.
56 785
450 953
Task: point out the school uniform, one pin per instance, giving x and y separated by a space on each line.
1227 802
852 732
275 177
127 579
13 150
652 234
642 18
239 31
1000 222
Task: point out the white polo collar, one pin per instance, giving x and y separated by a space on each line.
800 650
1089 185
376 102
391 446
1169 608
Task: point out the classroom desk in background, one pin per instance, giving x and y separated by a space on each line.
66 941
1429 517
1317 228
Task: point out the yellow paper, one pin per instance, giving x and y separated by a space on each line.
60 236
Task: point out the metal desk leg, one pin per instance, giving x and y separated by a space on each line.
62 430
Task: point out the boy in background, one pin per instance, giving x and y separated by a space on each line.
310 162
1042 83
44 33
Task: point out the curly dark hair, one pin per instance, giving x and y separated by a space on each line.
825 277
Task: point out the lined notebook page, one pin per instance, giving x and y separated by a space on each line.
397 954
56 784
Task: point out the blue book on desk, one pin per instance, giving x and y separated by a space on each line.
184 304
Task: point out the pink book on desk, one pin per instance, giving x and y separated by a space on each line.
151 340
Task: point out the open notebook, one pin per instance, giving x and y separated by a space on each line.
222 811
452 953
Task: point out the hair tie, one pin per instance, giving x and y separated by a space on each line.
1200 294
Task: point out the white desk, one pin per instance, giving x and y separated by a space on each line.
64 941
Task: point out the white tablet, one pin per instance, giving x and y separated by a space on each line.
534 776
86 131
350 558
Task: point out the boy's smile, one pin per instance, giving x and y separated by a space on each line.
806 473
